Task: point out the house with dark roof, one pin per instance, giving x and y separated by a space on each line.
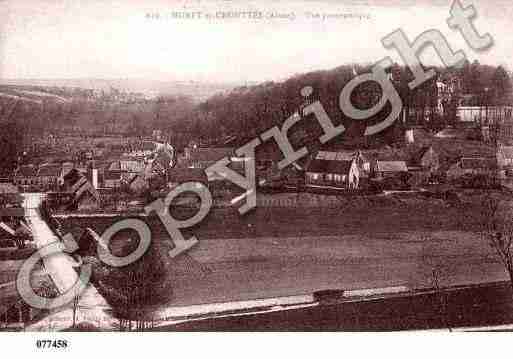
46 177
70 178
26 177
82 193
49 176
332 170
86 197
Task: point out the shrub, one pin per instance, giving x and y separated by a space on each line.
136 286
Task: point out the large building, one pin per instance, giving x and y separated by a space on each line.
332 170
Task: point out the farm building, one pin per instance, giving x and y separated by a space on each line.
46 177
332 170
26 176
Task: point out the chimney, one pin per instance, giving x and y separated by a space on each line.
93 175
95 178
408 136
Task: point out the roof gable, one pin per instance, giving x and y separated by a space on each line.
72 176
84 190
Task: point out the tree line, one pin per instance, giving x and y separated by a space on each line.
247 111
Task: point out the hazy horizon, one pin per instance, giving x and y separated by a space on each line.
55 40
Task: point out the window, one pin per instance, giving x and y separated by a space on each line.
338 178
329 177
315 176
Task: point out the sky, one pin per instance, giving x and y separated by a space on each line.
115 39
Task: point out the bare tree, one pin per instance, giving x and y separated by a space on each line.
435 269
498 230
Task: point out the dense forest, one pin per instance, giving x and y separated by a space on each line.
247 111
241 113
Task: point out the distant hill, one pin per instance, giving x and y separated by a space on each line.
199 91
232 114
31 95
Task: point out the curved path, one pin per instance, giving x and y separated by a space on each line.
92 307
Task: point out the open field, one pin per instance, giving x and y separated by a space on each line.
358 215
288 251
478 308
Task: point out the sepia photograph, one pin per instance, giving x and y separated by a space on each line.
255 166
